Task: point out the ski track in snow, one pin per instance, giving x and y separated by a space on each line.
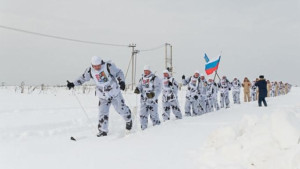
35 131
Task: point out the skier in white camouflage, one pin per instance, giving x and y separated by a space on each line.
169 97
192 94
203 102
253 91
272 91
212 96
109 80
149 87
224 86
236 90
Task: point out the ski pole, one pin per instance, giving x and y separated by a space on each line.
83 110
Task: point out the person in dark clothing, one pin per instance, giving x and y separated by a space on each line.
262 86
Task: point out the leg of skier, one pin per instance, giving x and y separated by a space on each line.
123 110
187 107
222 100
104 106
153 110
144 113
167 109
227 99
176 109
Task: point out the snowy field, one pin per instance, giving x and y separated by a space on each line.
35 132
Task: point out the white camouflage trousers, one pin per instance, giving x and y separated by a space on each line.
119 105
224 99
174 105
202 104
272 93
147 109
191 104
213 104
253 96
236 97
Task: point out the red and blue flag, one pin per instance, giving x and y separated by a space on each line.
212 66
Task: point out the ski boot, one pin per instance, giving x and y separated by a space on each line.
101 134
129 125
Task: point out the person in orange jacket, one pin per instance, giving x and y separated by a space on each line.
246 85
269 86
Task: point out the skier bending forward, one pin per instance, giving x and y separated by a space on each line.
109 80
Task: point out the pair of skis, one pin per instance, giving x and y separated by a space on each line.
127 132
72 138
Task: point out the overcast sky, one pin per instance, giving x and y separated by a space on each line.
255 37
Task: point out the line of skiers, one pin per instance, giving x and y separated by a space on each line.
273 89
201 95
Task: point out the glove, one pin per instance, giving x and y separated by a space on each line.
122 85
170 83
229 89
195 97
183 77
70 85
137 91
150 95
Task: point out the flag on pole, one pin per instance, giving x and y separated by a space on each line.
212 66
206 58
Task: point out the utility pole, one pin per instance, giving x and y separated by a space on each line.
166 55
133 64
135 60
169 59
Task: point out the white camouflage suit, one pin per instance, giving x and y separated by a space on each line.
203 102
272 92
253 91
236 90
192 95
212 96
169 98
108 91
281 89
224 86
149 106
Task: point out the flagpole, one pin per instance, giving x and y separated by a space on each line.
216 72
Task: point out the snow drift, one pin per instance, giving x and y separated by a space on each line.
35 132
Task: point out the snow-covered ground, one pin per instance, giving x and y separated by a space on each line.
35 132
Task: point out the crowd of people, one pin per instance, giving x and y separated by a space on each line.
273 89
202 96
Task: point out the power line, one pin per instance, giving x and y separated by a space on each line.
61 38
151 49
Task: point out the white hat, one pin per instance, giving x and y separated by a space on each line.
96 60
201 74
166 71
197 71
146 67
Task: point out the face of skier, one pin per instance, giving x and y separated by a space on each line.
147 72
166 74
202 77
96 67
196 75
